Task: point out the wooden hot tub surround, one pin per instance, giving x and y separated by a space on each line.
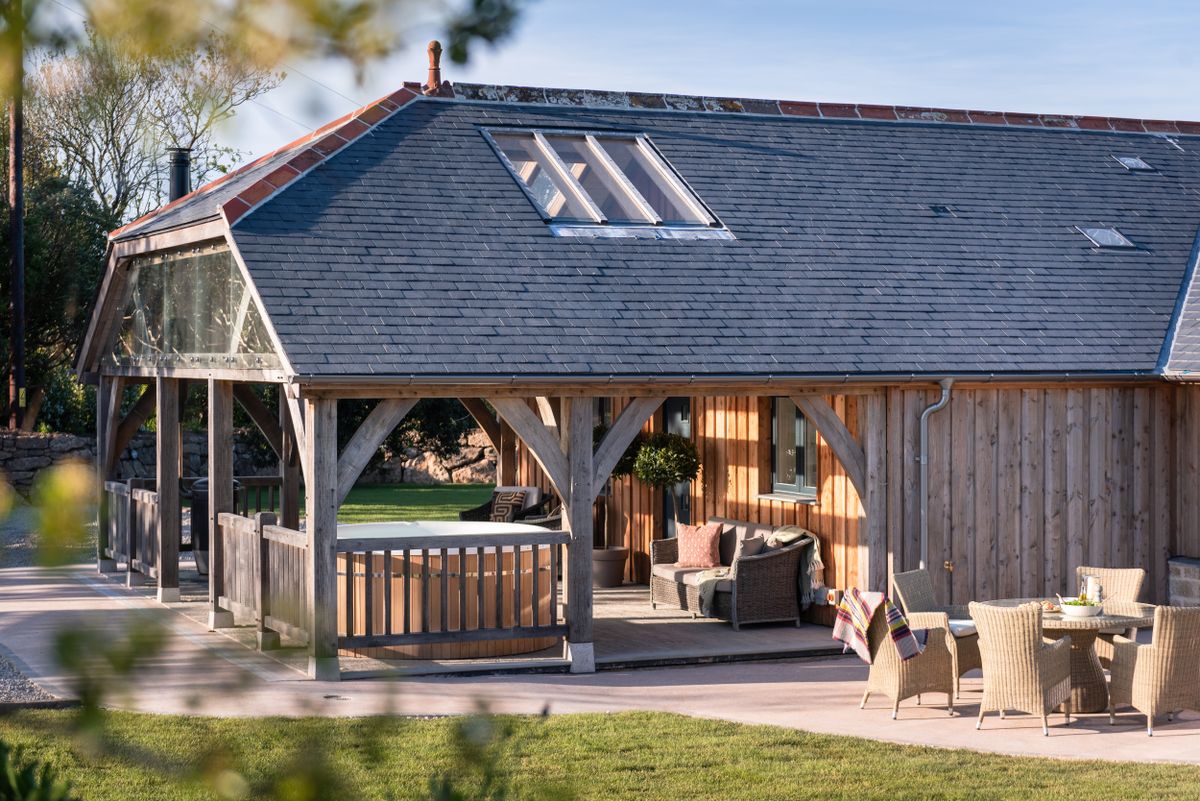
489 591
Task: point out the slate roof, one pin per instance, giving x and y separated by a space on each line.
411 252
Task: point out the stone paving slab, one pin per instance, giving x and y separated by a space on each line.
210 674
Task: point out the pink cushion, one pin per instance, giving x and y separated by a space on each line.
699 546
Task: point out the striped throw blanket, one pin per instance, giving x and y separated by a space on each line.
854 616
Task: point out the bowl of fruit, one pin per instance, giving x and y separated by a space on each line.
1081 607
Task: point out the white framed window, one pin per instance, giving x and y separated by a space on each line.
577 179
793 451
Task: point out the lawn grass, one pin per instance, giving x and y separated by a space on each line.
383 502
644 756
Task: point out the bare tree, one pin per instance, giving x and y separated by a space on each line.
106 116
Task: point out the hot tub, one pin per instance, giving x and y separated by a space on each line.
463 604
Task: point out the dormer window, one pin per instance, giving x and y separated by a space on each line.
615 180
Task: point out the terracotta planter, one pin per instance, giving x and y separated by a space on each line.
608 566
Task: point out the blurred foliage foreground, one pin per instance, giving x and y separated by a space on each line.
101 659
478 757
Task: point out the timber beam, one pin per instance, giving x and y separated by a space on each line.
266 421
129 426
382 420
486 420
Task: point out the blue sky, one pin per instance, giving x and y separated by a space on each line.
1138 59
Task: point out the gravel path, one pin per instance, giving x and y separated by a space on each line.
18 548
15 688
18 543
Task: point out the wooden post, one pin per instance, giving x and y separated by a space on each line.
220 495
576 417
289 468
268 640
506 459
321 505
873 561
104 416
167 480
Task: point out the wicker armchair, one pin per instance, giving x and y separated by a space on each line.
1163 677
763 588
1021 670
914 590
931 671
534 504
1120 584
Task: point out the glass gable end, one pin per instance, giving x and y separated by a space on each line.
190 309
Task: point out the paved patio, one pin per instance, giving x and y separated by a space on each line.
206 673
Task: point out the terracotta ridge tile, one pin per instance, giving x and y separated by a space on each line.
310 150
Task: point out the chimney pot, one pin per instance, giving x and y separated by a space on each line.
180 172
433 85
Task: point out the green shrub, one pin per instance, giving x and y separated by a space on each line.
30 781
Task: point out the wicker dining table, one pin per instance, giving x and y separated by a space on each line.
1089 691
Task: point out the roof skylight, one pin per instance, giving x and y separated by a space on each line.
1106 237
1133 163
602 178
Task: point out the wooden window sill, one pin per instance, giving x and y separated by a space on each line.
787 497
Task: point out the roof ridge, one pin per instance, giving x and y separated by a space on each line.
600 98
310 150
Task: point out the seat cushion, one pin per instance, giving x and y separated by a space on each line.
963 628
688 575
693 580
673 572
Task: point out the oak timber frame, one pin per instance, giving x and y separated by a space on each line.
552 419
556 430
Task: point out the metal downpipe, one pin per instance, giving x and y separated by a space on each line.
923 459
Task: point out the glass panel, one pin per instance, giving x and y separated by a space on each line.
191 310
1106 237
605 191
808 445
785 444
533 168
648 179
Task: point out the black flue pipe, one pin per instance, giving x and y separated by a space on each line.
180 172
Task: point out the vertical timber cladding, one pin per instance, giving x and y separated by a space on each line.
1024 485
1027 483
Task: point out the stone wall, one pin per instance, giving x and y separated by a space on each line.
138 460
1183 581
474 464
23 456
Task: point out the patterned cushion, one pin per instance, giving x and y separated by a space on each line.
699 545
505 506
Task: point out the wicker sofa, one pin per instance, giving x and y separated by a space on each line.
759 589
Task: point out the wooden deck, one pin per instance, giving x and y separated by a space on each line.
629 634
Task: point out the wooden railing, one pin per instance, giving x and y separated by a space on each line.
264 575
143 528
132 525
133 515
415 590
116 499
